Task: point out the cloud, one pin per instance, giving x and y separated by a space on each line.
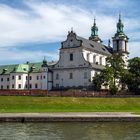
50 22
13 55
134 49
47 22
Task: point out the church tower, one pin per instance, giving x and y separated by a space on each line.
94 33
120 41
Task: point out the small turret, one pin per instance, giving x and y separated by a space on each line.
94 33
44 62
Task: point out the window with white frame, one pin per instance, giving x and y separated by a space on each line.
19 77
19 86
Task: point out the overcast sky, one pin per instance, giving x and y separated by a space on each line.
32 29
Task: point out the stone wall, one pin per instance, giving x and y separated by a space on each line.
68 93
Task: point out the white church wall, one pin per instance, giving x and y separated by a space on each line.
4 81
80 77
91 57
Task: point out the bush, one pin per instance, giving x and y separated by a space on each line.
113 89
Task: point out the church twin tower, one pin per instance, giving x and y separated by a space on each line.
120 40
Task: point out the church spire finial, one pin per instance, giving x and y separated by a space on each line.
94 33
120 25
109 43
71 29
119 16
94 21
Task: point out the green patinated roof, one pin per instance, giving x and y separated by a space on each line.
23 68
6 69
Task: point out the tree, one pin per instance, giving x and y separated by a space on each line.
132 78
111 75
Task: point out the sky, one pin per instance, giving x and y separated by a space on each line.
33 29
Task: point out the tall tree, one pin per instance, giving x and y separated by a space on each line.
132 78
111 75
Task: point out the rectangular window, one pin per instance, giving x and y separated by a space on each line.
71 56
100 60
30 86
26 86
19 77
57 85
94 59
57 76
19 86
8 79
7 86
1 79
37 77
88 57
13 77
71 76
1 86
13 86
44 77
85 75
36 85
30 77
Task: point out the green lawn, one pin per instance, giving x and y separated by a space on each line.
68 104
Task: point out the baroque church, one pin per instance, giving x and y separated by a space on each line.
79 60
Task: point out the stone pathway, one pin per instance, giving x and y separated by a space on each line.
63 117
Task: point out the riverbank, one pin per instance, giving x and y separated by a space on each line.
28 104
70 117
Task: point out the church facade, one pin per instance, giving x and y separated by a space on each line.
79 60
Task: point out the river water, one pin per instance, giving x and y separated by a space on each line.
70 131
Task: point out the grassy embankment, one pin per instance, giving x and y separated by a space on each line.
68 104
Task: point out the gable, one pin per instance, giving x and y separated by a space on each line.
71 41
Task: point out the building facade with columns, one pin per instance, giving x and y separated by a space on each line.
79 60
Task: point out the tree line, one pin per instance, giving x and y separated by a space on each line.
117 77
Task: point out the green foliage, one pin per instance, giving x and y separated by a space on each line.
97 81
132 77
113 89
113 72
